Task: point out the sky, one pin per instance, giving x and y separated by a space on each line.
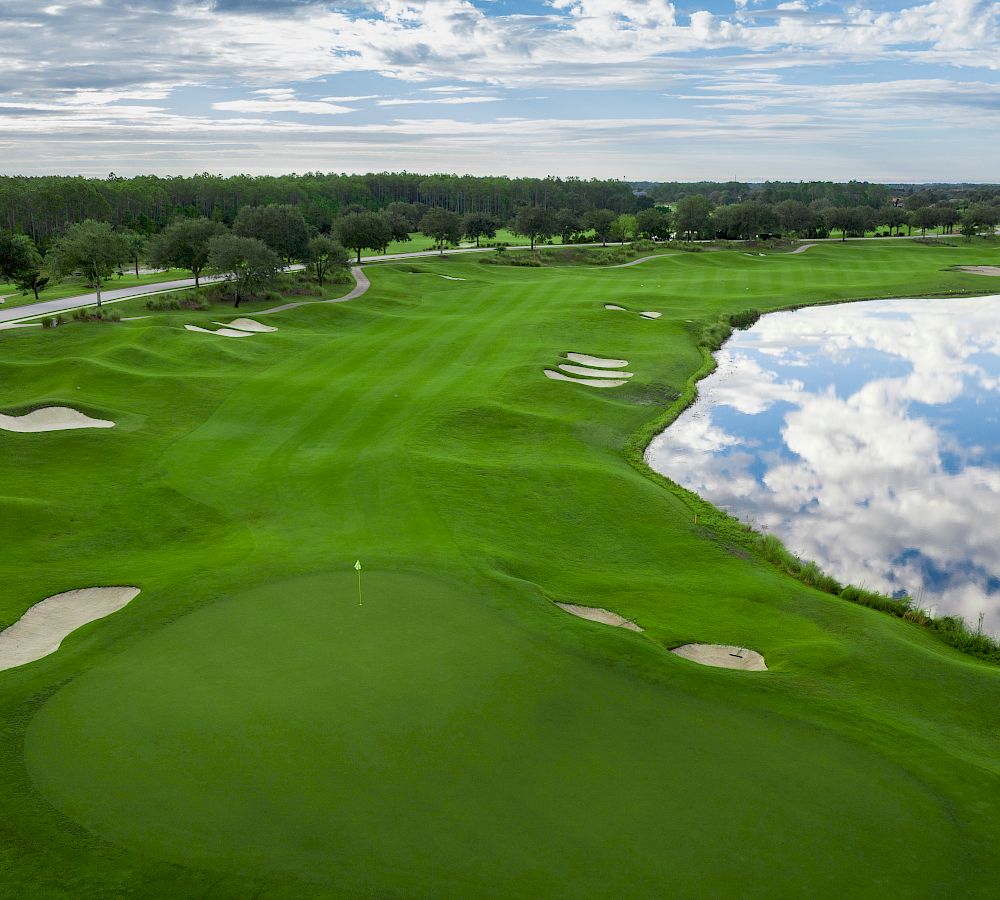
878 90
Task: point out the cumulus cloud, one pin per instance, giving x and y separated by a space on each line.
872 483
755 73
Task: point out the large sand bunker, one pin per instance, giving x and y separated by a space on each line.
589 382
723 657
593 373
42 628
981 270
596 614
598 362
650 315
614 306
52 418
247 325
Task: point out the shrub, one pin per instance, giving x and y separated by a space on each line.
745 319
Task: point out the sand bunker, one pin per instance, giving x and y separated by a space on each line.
450 277
52 418
589 382
594 373
224 332
247 325
596 614
981 270
597 362
650 315
612 306
723 657
42 628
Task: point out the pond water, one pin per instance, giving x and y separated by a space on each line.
867 437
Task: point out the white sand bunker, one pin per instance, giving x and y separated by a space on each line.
224 332
42 628
597 362
650 315
52 418
613 306
594 373
723 657
247 325
981 270
596 614
450 277
589 382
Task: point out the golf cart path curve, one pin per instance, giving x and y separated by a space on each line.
359 288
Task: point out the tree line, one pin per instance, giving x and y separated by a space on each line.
44 206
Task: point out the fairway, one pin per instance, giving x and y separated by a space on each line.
244 727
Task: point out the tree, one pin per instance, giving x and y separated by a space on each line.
411 213
362 231
17 252
794 217
442 225
94 249
397 228
693 216
248 262
31 278
924 217
893 216
136 245
479 225
567 223
624 227
846 219
599 221
535 222
324 254
281 226
745 220
184 245
653 223
980 217
21 263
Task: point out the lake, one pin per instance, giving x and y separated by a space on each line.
866 437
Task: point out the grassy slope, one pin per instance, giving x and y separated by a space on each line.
71 287
245 725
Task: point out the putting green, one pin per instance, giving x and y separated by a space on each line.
428 734
245 728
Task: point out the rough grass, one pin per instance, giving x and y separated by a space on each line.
245 728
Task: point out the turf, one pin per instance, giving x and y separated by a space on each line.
245 727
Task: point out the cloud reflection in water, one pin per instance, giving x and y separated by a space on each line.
867 437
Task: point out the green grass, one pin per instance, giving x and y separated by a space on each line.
245 728
419 241
72 287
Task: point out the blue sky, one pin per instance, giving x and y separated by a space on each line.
751 89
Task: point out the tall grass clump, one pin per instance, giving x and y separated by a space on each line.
744 320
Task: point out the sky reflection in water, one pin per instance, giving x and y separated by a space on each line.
865 436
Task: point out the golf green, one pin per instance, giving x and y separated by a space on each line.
433 738
245 727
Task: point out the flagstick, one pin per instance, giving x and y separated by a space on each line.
357 566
